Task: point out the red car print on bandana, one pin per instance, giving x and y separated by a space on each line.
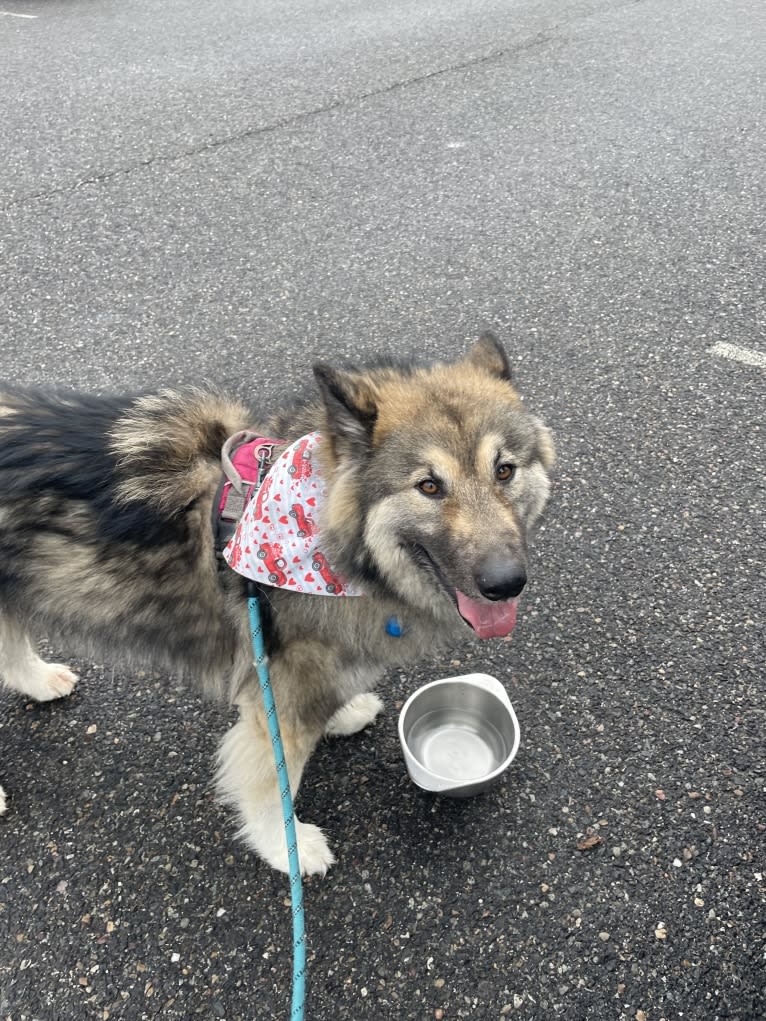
303 522
300 461
271 555
319 563
278 541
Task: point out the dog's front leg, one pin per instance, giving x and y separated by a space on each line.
247 779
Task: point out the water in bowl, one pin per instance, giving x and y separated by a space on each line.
457 744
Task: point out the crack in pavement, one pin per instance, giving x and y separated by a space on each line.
285 122
538 39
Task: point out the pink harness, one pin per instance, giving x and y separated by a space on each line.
245 458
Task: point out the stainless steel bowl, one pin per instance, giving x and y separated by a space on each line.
458 734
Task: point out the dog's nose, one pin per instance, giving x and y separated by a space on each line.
500 577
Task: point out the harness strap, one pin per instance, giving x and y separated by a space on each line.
245 458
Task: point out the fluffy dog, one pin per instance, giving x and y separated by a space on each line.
430 480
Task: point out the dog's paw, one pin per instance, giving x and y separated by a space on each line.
313 850
49 681
354 715
2 800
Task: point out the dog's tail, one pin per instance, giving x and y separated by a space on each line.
168 445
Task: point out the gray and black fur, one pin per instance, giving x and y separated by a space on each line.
106 545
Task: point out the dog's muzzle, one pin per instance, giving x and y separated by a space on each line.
500 577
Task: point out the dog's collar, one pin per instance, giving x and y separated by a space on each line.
277 540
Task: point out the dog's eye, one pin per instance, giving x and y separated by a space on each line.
430 487
505 472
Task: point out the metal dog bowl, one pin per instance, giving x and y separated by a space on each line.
458 734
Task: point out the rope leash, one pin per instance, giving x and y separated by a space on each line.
296 886
232 496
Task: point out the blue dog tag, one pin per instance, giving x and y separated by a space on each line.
394 627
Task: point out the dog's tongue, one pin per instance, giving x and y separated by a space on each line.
489 620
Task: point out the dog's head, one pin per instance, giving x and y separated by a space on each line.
435 476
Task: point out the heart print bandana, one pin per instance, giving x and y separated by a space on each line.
277 541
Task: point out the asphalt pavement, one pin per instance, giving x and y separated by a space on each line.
228 193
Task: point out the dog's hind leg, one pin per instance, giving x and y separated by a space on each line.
23 670
247 779
354 716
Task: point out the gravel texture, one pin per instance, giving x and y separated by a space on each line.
228 194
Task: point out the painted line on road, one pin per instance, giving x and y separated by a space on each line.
11 14
746 355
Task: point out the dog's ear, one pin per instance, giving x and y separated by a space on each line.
351 408
488 354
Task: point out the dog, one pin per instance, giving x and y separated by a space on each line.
429 481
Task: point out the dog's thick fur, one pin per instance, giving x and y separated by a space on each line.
106 540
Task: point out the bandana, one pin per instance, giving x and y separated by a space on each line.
277 541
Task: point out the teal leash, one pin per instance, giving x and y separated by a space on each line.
288 813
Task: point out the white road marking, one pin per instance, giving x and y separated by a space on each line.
746 355
10 14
